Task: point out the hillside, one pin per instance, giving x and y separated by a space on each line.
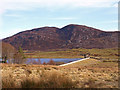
70 36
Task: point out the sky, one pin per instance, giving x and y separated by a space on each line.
21 15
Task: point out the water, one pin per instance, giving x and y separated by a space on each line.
65 60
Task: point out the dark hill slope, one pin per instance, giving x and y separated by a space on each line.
70 36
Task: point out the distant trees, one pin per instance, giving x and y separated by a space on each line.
34 62
19 57
8 52
11 55
39 61
44 63
51 62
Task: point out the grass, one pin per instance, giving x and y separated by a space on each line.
76 53
90 73
83 63
94 73
39 77
52 80
7 83
53 54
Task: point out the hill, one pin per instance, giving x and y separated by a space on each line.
70 36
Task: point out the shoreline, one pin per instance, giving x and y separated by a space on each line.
74 61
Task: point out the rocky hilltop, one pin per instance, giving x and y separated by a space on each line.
70 36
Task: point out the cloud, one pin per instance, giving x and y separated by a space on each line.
29 4
8 5
53 4
115 5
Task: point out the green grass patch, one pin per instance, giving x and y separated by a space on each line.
111 53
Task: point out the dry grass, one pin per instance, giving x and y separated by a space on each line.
83 63
85 74
51 80
21 76
94 74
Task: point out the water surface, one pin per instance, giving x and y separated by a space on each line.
65 60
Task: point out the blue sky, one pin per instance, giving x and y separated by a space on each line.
20 15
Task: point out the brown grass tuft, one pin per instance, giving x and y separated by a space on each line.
51 80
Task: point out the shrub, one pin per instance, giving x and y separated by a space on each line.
44 63
51 62
19 57
51 80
